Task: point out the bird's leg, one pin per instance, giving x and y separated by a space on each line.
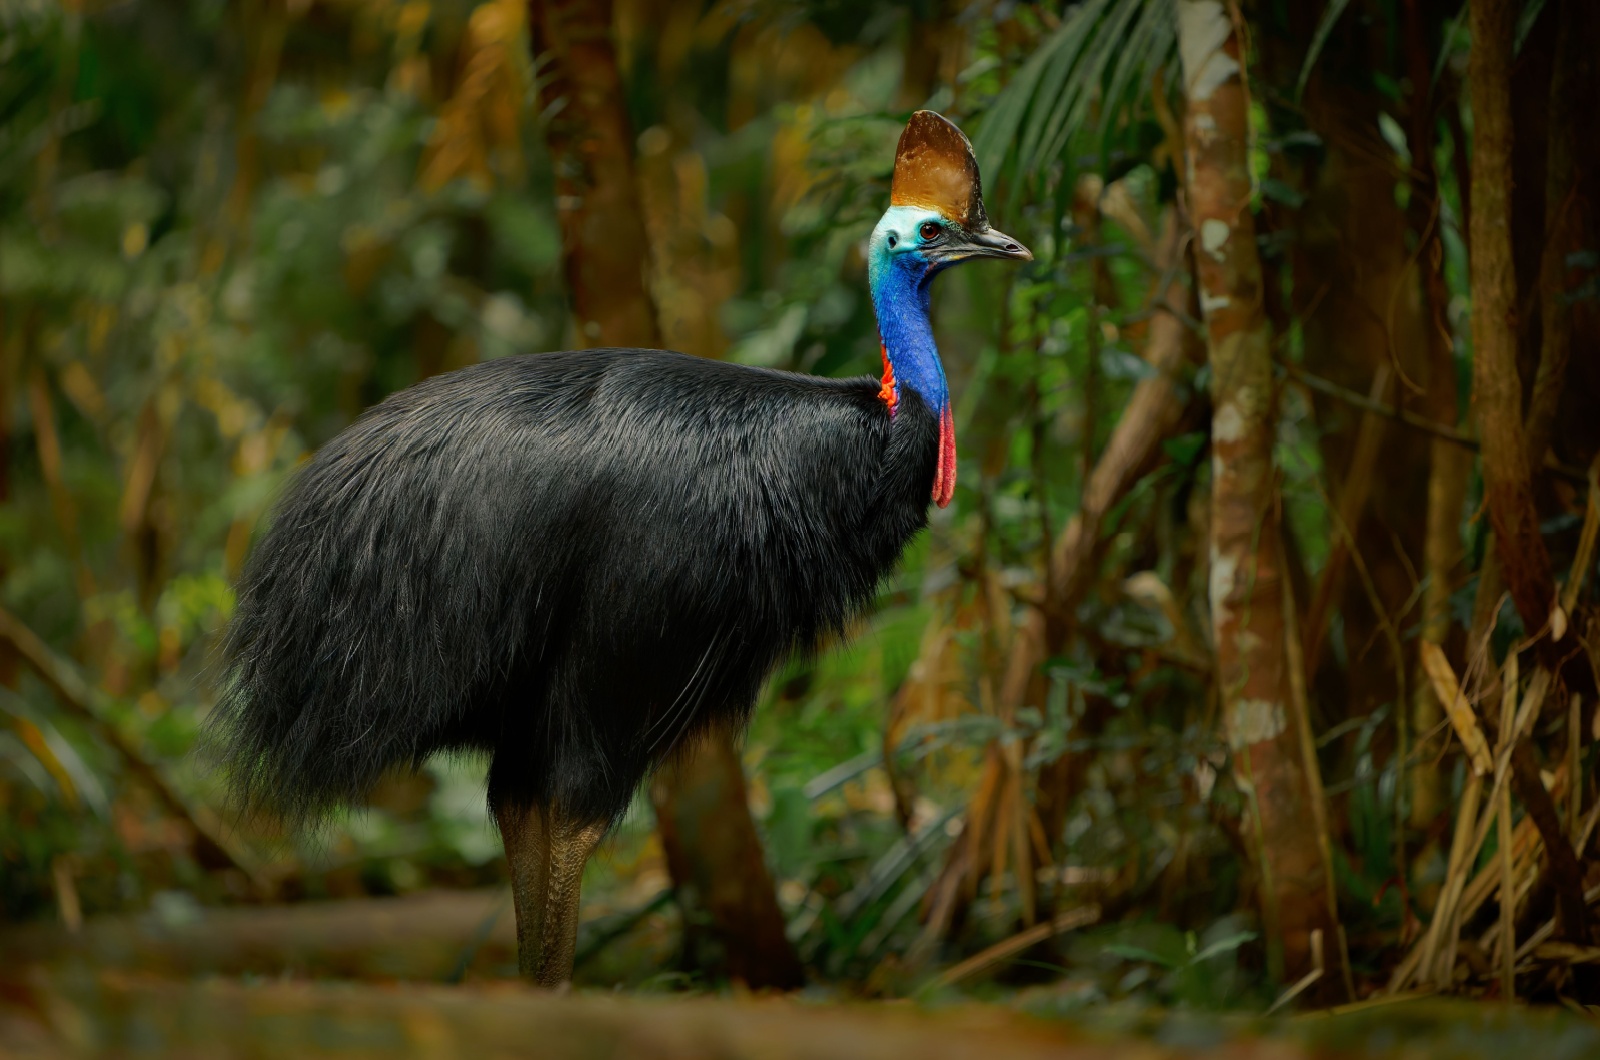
523 831
571 843
547 852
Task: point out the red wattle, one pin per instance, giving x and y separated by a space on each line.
889 392
944 479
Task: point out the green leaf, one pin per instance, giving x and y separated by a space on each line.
1095 67
1330 16
1525 23
1223 945
1155 35
1139 953
1447 41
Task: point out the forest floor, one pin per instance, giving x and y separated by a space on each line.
76 1014
390 978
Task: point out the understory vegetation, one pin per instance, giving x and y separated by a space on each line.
1252 665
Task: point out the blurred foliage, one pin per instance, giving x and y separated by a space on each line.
227 228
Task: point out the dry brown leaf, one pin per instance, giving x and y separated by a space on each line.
1075 918
1462 718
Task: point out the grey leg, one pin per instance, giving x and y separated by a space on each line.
547 853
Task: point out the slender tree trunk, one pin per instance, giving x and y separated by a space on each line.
711 843
1566 212
1448 465
732 922
606 249
1496 386
1247 597
1577 430
1497 395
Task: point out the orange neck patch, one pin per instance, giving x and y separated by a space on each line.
889 392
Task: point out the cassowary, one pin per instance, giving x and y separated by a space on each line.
578 561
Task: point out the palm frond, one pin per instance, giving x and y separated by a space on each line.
1090 75
1324 27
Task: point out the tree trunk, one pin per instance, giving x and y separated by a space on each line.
605 249
1496 386
1563 229
1449 465
1247 596
1576 436
1497 396
731 919
705 822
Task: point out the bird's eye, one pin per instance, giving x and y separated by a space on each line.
930 230
892 240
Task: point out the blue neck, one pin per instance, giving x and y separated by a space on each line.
899 285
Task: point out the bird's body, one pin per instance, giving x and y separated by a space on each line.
572 560
576 560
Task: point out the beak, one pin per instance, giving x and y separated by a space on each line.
989 243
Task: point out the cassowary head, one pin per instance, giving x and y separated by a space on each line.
935 219
936 216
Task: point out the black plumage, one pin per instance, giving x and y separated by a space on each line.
571 560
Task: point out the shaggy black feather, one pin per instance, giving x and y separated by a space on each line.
572 560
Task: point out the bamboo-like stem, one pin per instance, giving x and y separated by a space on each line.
1532 701
1427 961
1301 701
1575 784
1443 931
1449 464
1508 883
1508 902
1348 511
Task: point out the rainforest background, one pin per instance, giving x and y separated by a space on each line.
1251 668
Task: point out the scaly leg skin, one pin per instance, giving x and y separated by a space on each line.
547 853
522 830
571 843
